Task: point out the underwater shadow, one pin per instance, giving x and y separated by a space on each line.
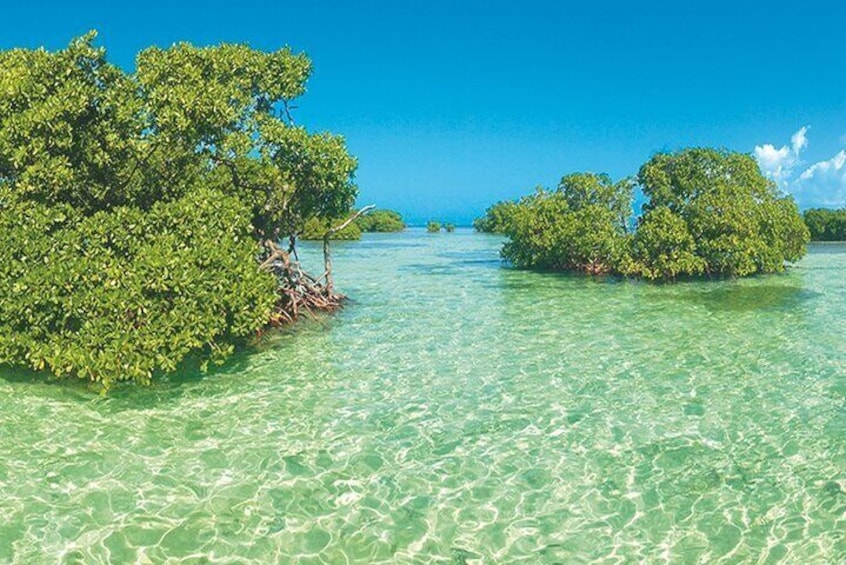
778 292
729 297
188 380
514 278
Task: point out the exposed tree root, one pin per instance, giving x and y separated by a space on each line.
299 293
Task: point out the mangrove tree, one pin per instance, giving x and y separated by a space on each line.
142 212
706 212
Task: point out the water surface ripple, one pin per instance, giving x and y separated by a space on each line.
463 412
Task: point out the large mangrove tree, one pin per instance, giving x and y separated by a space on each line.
142 212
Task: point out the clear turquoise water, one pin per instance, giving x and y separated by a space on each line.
462 412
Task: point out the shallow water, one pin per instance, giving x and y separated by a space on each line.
463 412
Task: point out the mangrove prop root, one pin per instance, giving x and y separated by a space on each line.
298 293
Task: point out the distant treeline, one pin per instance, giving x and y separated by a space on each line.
826 224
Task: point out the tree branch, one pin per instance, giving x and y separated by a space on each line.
287 110
327 255
276 253
349 220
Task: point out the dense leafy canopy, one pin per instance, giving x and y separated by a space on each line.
740 222
495 218
80 131
707 212
572 228
825 224
587 189
662 248
580 190
132 205
123 293
433 226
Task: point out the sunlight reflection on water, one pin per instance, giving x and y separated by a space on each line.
461 411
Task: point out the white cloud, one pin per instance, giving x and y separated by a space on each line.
799 140
823 183
778 163
824 168
775 163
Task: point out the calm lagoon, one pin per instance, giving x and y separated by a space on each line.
459 411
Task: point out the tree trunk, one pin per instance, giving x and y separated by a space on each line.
327 264
327 254
299 292
292 246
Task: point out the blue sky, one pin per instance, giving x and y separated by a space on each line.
450 106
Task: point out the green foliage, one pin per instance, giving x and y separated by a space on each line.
586 189
123 294
315 228
662 248
496 217
548 230
75 129
70 125
220 108
708 212
736 216
449 228
380 221
131 205
825 224
433 227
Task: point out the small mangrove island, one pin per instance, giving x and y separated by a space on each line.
706 212
825 224
375 221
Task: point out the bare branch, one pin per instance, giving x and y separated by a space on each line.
275 254
327 255
349 220
287 108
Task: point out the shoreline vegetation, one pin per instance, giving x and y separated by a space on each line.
433 226
144 213
825 225
707 213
